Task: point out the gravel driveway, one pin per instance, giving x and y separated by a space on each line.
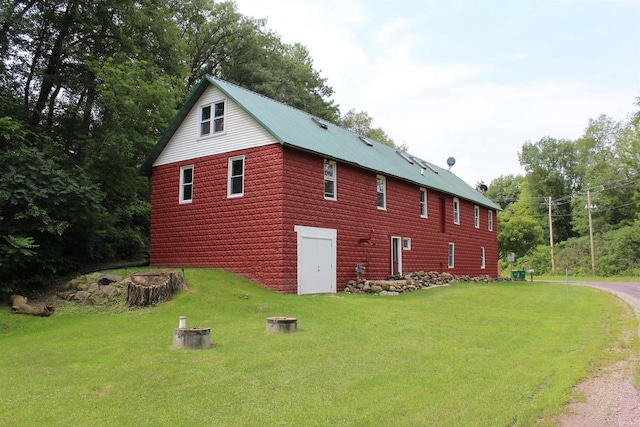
611 398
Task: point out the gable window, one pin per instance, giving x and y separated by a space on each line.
186 184
406 243
452 250
330 179
476 217
236 176
212 118
381 183
423 203
456 210
490 220
482 257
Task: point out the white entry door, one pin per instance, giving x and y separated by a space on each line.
316 260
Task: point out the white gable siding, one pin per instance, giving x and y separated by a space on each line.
241 132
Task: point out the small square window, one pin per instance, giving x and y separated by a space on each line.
406 243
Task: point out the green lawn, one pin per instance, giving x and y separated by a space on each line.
468 354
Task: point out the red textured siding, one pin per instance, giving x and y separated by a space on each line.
252 235
364 231
242 235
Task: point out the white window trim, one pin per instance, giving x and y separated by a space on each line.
490 220
456 211
334 180
384 192
482 257
451 255
424 208
212 119
476 216
406 243
229 176
181 198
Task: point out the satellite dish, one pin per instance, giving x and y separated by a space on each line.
483 187
451 161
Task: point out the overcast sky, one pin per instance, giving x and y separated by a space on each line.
468 79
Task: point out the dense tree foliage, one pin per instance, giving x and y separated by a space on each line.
86 88
601 167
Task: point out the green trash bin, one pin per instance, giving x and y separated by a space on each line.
518 274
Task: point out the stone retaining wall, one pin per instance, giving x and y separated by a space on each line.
413 282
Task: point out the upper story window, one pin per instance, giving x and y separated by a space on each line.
490 220
456 210
381 184
452 255
236 177
423 203
212 118
476 216
330 180
482 257
186 184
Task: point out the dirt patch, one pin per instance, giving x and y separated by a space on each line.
609 399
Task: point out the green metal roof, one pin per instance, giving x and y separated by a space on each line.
297 129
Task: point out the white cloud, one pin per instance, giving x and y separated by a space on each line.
459 103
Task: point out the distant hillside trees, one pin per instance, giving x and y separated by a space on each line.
603 165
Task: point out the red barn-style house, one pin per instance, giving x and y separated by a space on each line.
250 185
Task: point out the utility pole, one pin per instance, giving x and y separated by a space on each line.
593 254
553 261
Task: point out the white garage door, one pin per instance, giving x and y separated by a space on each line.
316 260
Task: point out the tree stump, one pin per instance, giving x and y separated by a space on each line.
152 287
19 306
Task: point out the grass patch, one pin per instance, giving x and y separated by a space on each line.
469 354
588 278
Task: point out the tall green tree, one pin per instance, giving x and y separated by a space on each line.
552 167
505 189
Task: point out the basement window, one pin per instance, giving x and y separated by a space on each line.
406 243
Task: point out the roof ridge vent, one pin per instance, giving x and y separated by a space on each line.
320 123
365 140
404 155
423 164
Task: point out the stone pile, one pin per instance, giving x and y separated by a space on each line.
93 288
412 282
